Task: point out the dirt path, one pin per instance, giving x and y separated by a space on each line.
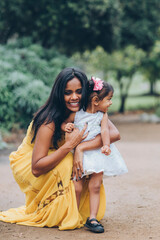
132 200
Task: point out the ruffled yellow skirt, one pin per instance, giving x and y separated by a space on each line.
50 198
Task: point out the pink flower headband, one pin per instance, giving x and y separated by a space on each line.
98 84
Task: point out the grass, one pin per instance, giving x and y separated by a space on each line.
137 100
135 103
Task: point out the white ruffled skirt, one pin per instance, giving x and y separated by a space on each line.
94 162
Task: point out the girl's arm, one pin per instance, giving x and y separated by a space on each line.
105 130
105 135
41 161
97 141
67 125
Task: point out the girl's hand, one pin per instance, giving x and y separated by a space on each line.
106 150
75 137
69 127
78 163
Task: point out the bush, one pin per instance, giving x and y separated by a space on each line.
7 111
157 112
29 99
27 72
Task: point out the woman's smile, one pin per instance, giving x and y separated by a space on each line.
73 95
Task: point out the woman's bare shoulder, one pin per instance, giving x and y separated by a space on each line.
43 139
50 126
46 132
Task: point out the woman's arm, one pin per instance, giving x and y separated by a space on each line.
113 132
41 161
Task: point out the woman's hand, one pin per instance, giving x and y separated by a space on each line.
41 161
75 137
78 163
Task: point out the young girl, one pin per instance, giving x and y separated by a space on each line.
106 160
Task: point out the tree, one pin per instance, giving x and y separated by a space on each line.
69 25
140 23
151 67
121 64
74 26
125 63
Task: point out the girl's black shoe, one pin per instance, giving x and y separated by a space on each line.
94 227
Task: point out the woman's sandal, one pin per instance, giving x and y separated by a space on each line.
94 227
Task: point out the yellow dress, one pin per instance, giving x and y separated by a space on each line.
50 198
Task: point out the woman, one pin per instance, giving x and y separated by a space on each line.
42 165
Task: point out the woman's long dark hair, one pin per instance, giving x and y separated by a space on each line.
54 110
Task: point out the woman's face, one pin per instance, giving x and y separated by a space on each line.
73 95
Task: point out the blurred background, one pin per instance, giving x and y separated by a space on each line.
116 40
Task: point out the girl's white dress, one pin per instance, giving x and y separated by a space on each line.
94 160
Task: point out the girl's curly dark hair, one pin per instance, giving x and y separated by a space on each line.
107 88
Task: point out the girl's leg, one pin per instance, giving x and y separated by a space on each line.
78 189
94 190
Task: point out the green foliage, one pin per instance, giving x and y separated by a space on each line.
151 67
26 76
29 99
140 23
133 103
73 26
140 103
125 64
121 66
157 108
2 143
68 25
7 111
157 112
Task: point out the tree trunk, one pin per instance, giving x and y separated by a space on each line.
122 106
151 88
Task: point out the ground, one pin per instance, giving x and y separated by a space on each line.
132 211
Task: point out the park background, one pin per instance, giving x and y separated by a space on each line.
116 40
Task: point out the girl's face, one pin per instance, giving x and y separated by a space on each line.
73 94
105 103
